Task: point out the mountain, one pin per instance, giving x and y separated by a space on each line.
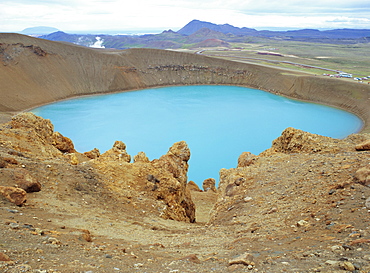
195 25
35 31
205 34
84 40
196 32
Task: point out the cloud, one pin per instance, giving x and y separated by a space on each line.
76 15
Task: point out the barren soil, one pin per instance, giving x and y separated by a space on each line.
297 207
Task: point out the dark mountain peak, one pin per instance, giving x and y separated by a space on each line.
195 25
205 33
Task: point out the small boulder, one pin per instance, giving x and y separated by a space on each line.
367 203
363 146
26 181
302 223
62 143
15 195
348 266
209 185
4 257
244 259
73 159
86 235
362 176
192 258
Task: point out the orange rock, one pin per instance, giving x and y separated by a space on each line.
4 257
363 175
192 186
141 157
364 146
192 258
15 195
86 235
94 153
246 159
209 185
244 259
360 241
26 181
62 143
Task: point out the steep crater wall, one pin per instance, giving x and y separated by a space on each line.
35 72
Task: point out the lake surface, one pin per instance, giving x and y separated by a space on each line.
217 122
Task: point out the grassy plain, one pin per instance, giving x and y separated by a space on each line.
350 58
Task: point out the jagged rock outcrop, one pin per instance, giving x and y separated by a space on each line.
118 152
209 184
62 143
310 166
157 187
193 187
24 180
161 182
40 134
175 193
141 157
94 153
297 141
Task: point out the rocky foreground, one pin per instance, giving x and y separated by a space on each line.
301 206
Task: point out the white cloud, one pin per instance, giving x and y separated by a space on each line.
70 15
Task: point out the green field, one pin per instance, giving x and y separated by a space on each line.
350 58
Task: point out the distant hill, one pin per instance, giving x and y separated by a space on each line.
196 32
39 30
195 25
205 34
212 43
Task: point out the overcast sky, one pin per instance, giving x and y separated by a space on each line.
120 15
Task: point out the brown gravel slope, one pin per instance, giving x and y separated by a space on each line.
35 71
301 206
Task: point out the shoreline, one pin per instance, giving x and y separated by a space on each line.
5 117
43 72
346 109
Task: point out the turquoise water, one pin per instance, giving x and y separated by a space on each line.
217 122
